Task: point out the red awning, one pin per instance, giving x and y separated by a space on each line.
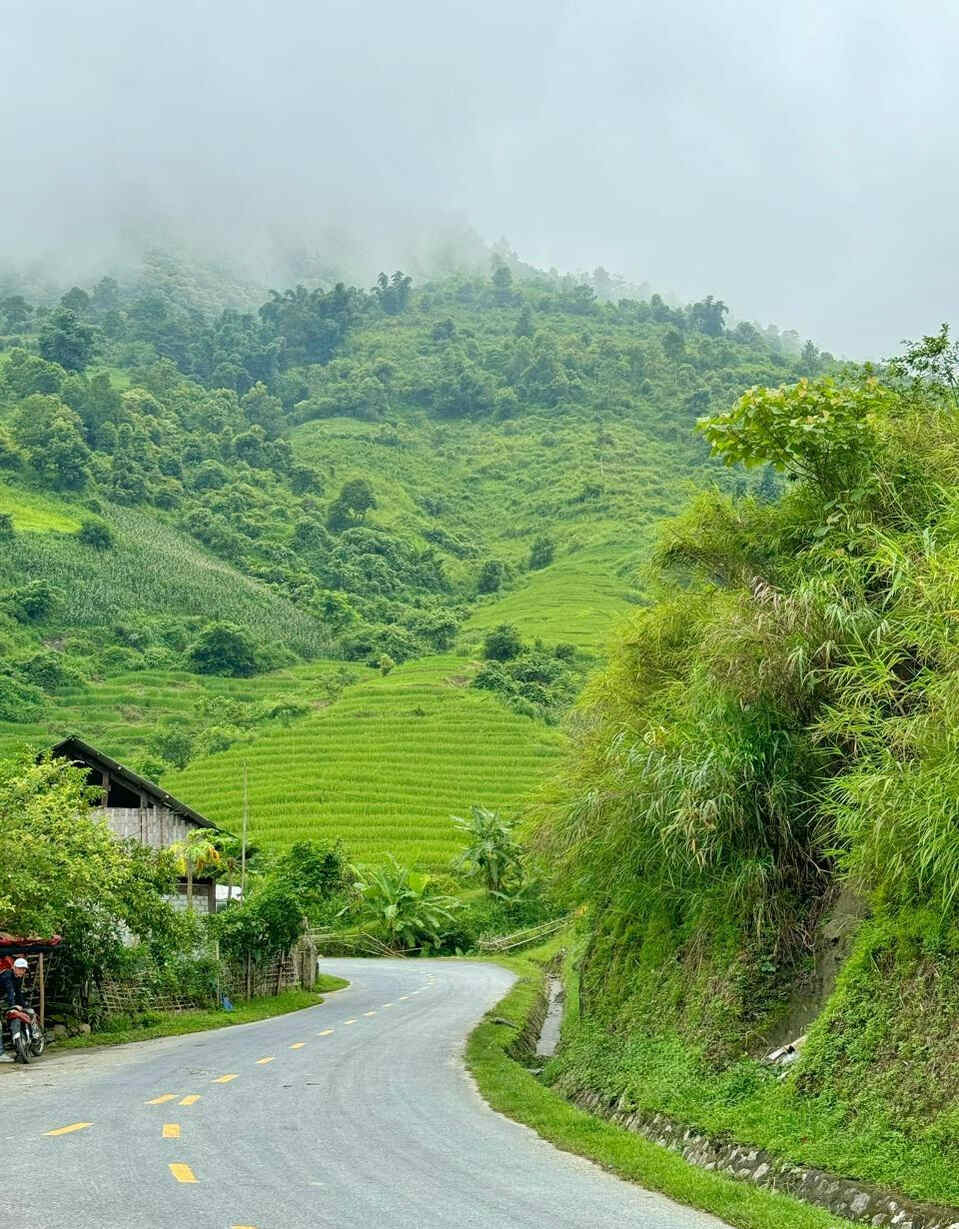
27 945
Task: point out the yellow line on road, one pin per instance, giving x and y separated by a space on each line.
369 1013
171 1130
403 998
167 1096
74 1126
183 1173
225 1079
261 1061
297 1045
387 1004
326 1032
353 1021
191 1099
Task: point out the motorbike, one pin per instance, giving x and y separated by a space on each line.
25 1033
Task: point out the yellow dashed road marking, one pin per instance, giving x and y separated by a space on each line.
403 998
387 1004
326 1032
261 1061
167 1096
74 1126
369 1013
183 1173
353 1021
225 1079
171 1130
297 1045
191 1099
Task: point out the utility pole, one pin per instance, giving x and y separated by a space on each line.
246 816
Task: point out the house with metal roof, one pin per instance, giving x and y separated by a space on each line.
136 807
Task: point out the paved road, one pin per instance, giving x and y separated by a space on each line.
357 1114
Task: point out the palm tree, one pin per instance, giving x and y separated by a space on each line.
231 860
194 855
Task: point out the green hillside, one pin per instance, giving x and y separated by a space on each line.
364 477
120 713
152 571
383 767
581 598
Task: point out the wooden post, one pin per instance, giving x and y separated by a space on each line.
246 809
43 990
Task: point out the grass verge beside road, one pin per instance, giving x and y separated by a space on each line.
512 1090
174 1023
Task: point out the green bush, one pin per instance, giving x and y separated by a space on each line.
502 643
224 648
95 532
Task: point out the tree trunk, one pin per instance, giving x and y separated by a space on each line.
189 887
229 884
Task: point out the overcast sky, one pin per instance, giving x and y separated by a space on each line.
796 159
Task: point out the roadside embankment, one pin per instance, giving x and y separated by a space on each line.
512 1028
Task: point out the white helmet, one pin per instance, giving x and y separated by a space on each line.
20 963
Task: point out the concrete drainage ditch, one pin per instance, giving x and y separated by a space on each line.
854 1201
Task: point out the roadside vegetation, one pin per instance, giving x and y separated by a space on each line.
512 1089
777 726
151 1024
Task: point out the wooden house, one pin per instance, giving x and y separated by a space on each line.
138 808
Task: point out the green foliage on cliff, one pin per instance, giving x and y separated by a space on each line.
782 720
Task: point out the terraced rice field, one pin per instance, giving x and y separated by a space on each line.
118 713
578 599
383 768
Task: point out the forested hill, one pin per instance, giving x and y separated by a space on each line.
370 475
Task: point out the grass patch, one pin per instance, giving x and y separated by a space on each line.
35 513
175 1023
510 1089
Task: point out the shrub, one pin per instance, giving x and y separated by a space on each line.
96 533
541 553
401 907
350 507
502 643
50 671
491 851
20 701
172 744
493 575
223 648
30 602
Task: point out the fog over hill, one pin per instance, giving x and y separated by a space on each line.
792 159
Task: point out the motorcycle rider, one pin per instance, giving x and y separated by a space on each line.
11 993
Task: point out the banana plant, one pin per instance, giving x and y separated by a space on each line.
400 906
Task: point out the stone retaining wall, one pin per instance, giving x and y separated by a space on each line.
854 1201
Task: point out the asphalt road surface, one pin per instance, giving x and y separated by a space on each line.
357 1114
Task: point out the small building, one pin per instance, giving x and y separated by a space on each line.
138 808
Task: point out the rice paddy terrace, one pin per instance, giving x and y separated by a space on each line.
383 767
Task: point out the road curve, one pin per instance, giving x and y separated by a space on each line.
357 1114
